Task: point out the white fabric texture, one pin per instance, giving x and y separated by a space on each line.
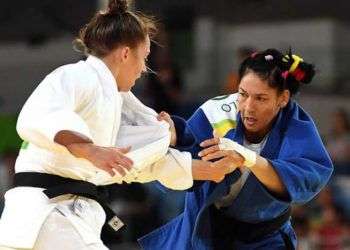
69 238
25 211
84 98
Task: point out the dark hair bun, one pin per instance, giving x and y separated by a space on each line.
117 6
281 71
300 70
309 72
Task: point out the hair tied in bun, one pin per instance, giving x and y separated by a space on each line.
117 6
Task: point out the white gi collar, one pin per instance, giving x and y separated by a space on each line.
103 71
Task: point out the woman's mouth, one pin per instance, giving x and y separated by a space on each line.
250 121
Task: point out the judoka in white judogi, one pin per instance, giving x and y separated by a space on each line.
83 98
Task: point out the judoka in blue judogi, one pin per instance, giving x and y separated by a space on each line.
247 214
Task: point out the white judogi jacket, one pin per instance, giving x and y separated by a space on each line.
84 98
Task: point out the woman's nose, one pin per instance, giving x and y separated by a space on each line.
249 103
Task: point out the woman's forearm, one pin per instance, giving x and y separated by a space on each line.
267 175
77 144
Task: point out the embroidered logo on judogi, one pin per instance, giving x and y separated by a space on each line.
115 223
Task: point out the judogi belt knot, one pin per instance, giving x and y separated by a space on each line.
55 186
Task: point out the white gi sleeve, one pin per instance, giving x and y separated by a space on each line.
52 107
176 171
157 162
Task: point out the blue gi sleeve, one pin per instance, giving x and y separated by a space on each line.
185 138
191 133
303 163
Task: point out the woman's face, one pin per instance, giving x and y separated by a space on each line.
259 104
133 65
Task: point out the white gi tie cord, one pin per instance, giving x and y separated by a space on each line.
248 155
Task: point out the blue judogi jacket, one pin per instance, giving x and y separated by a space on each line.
294 149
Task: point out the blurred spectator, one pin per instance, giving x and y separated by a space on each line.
321 225
301 224
7 170
339 142
346 241
163 86
231 82
339 149
331 234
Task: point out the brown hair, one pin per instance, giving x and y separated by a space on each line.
112 28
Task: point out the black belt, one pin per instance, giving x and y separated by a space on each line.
225 230
55 186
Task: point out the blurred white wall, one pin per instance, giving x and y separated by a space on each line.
317 40
321 108
312 39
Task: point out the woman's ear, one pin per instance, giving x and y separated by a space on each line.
125 53
284 98
121 54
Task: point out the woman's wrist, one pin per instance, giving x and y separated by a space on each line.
200 170
204 171
173 137
77 144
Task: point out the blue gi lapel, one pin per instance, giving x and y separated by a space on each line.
271 149
222 188
202 225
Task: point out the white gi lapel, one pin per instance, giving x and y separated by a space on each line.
110 90
140 129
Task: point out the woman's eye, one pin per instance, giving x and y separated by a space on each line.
242 94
